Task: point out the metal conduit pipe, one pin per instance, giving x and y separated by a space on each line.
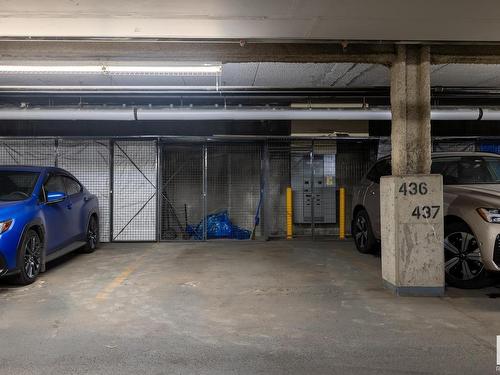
238 114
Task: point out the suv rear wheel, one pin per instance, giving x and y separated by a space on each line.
463 263
363 233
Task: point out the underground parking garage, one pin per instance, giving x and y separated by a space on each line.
236 157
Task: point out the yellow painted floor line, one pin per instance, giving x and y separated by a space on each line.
104 293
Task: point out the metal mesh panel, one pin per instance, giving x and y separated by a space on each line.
134 191
88 161
324 188
315 170
182 191
234 181
438 145
40 152
454 145
384 147
277 182
301 183
353 161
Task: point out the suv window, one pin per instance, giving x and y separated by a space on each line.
467 170
72 187
381 168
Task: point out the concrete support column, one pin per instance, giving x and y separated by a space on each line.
412 199
411 110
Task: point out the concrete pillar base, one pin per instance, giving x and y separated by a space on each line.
412 234
414 291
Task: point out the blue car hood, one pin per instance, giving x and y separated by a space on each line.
9 209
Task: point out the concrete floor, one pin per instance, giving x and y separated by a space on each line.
238 308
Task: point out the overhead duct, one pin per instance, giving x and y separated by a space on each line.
234 114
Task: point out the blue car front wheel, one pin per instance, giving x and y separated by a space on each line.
30 257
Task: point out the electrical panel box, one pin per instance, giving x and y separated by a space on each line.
314 190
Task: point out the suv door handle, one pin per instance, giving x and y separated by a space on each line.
70 206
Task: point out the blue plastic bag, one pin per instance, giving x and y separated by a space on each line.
218 226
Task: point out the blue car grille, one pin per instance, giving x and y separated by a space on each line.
496 251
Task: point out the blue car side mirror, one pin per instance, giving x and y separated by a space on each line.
55 196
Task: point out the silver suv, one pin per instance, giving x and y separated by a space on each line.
471 214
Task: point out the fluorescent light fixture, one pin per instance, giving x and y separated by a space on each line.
205 69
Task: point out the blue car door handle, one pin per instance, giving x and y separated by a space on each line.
69 206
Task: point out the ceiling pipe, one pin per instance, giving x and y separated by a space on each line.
456 114
234 114
262 114
490 114
373 114
54 114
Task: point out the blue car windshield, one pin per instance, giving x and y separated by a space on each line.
17 185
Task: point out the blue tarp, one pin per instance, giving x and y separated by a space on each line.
218 226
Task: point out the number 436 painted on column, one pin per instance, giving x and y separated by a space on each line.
414 188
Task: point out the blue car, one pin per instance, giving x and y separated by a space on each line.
45 213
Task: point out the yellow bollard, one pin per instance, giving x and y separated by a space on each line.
289 217
342 213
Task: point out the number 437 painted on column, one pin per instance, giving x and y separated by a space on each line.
425 212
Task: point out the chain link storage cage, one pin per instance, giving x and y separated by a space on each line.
277 159
313 183
247 179
301 177
324 222
353 160
39 152
441 144
134 174
315 169
182 187
233 183
462 145
89 162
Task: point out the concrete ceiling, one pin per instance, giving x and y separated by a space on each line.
276 75
424 20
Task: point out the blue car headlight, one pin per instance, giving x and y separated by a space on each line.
5 225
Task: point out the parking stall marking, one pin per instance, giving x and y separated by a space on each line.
118 280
